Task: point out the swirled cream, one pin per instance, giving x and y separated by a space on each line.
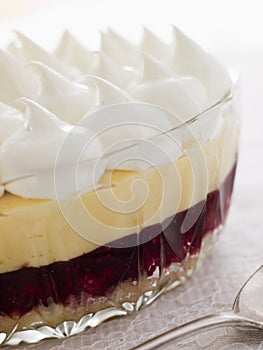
158 85
104 67
189 59
124 53
16 80
26 50
66 99
73 53
11 120
30 155
107 93
72 96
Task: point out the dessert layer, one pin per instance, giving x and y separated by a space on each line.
99 272
42 234
126 292
133 94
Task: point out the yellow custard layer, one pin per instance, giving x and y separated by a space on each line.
37 232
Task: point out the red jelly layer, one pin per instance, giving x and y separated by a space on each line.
100 271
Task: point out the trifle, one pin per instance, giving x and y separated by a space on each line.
116 173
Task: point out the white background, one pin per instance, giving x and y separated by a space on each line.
229 24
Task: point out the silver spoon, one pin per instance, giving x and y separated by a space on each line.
247 311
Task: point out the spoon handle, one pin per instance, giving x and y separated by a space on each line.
211 321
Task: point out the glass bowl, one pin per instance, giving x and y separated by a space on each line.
113 249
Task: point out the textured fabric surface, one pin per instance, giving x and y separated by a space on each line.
235 256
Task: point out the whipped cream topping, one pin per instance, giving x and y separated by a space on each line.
107 93
72 53
16 80
158 85
104 67
30 154
130 135
154 46
66 99
11 120
26 50
124 53
189 59
183 57
74 91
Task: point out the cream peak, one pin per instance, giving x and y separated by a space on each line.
152 69
30 51
68 100
107 93
11 120
71 52
16 79
40 120
119 49
189 59
31 154
154 46
104 67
